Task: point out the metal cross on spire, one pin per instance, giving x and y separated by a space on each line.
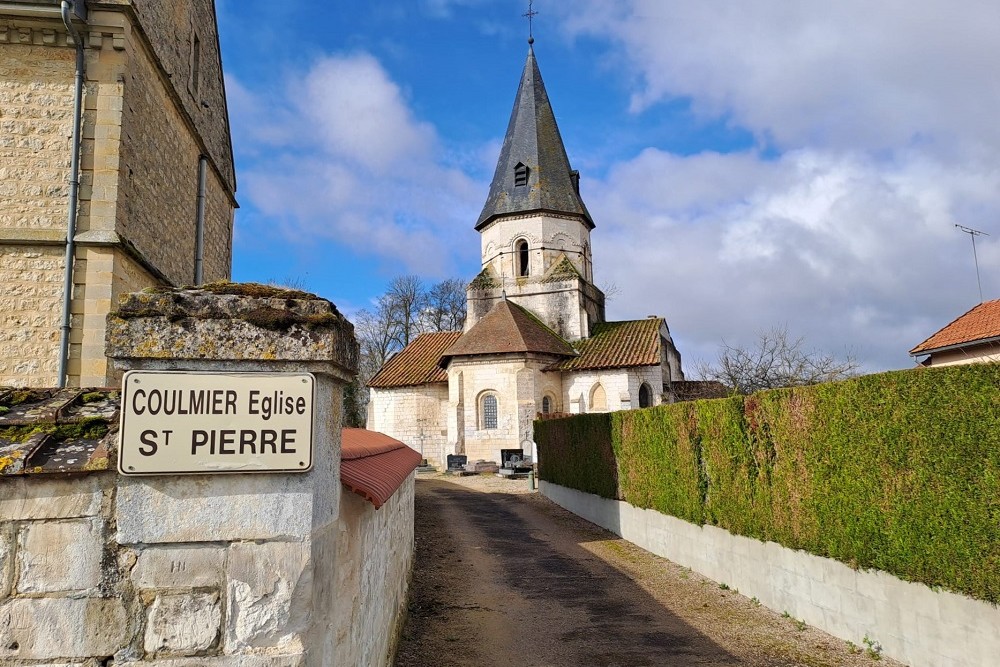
530 14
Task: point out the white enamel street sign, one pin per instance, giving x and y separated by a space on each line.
191 423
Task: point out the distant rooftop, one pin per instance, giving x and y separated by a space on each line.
981 324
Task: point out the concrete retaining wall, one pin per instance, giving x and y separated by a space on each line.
912 623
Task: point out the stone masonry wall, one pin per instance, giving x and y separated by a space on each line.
36 103
373 575
414 415
30 314
158 173
170 28
217 570
621 388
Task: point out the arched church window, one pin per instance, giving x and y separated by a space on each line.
546 405
520 175
645 396
598 399
488 411
522 257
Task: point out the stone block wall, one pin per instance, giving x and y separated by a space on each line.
201 571
218 570
621 388
30 313
414 415
143 131
36 120
374 567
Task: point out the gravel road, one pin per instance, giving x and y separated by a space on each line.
504 577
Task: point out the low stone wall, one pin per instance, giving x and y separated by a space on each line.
239 584
373 575
911 622
278 569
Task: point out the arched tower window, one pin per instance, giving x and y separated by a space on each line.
598 399
488 411
520 175
645 396
521 248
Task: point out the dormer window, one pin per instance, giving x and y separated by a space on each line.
520 175
522 258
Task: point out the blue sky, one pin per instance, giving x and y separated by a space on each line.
748 164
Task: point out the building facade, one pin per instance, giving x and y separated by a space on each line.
155 192
973 337
536 340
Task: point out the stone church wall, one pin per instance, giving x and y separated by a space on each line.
143 131
414 415
30 292
621 388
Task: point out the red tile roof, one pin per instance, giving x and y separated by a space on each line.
417 363
979 324
509 328
373 465
617 345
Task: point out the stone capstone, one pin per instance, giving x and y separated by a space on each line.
40 628
182 624
60 556
269 595
231 322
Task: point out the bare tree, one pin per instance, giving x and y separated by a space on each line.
407 297
775 360
377 331
444 306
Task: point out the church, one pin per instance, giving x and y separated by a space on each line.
535 341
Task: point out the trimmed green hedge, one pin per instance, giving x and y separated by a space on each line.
898 471
579 454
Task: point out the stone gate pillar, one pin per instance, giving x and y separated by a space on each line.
235 568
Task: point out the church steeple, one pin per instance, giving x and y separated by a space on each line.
533 173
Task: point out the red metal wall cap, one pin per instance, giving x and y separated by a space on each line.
374 465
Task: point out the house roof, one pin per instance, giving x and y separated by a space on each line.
509 328
617 345
374 465
533 140
417 363
980 324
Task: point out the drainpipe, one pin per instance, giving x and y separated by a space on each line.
199 249
74 193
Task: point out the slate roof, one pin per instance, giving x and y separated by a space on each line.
533 140
374 465
417 363
509 328
617 345
981 324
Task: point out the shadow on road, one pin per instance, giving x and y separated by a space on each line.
499 579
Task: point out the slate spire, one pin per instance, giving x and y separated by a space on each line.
533 172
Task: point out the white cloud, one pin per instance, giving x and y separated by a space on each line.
340 155
879 123
849 74
850 252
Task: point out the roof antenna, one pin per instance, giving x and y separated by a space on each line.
530 14
973 233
